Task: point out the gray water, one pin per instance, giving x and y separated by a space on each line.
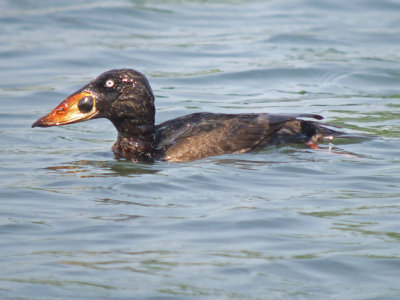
282 223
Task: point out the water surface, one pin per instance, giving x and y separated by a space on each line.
282 223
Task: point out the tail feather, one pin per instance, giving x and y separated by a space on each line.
313 116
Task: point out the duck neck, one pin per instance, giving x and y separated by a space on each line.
135 140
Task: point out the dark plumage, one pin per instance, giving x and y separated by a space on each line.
126 99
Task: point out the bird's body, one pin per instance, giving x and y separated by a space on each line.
125 98
200 135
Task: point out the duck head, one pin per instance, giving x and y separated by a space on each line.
123 96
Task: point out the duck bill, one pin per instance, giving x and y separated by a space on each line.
76 108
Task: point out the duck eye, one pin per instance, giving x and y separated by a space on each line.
110 83
85 105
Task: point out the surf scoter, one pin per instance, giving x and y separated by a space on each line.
126 99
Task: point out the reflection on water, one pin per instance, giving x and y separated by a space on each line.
91 168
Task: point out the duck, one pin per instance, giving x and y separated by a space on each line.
124 97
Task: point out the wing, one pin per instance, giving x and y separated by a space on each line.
200 135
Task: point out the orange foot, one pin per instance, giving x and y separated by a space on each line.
312 145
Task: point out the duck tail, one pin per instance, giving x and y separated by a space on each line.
318 131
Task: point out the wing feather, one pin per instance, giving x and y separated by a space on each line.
200 135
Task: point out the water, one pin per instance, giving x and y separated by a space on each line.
283 223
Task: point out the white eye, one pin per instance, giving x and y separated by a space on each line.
110 83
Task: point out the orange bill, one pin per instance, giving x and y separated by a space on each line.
76 108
